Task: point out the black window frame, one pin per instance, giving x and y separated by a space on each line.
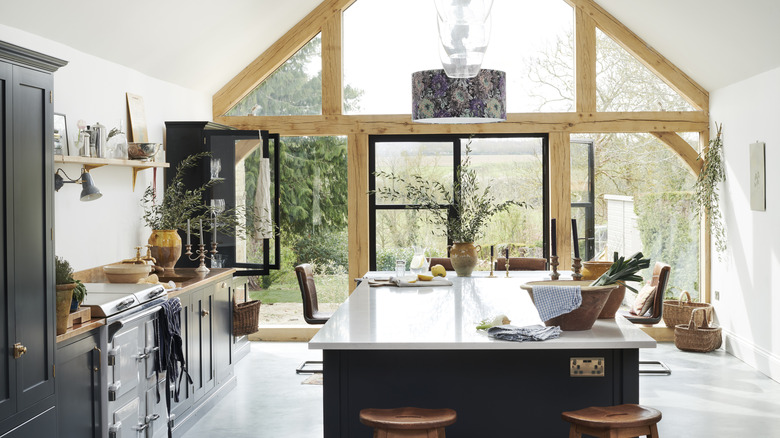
589 236
457 145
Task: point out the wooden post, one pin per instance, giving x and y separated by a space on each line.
560 194
585 62
332 87
357 206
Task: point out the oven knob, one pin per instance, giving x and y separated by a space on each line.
113 430
112 355
113 389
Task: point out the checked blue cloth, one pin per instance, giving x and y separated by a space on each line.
527 333
552 301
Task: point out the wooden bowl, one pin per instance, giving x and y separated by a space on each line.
582 318
126 273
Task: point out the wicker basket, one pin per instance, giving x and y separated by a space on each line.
246 317
692 338
677 312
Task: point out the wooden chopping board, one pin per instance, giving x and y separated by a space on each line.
135 108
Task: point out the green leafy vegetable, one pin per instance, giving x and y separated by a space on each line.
623 270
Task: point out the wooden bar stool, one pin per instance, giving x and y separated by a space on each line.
622 421
408 422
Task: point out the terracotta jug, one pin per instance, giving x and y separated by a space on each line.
463 256
166 247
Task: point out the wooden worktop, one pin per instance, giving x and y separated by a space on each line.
189 280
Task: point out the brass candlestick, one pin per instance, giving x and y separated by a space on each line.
507 267
491 268
575 268
554 265
201 255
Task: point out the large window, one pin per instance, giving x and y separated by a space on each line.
631 193
513 166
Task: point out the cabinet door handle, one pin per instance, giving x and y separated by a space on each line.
223 285
19 350
100 358
204 312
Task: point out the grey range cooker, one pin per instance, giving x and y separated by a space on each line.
132 408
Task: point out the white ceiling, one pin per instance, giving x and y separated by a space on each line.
201 44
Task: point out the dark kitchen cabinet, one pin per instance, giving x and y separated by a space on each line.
207 337
27 301
81 385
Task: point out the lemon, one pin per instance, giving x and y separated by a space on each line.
438 271
424 277
418 262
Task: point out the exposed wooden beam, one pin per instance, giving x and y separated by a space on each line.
332 88
246 147
657 63
262 67
688 154
665 121
560 195
357 206
585 62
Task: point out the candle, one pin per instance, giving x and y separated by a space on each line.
188 231
491 252
507 256
200 231
214 239
554 234
575 240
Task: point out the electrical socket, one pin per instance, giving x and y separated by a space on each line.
717 295
586 367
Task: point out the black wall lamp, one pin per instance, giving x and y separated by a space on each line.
88 190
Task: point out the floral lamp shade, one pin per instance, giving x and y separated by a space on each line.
437 98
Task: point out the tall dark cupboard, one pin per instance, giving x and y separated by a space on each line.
27 300
230 146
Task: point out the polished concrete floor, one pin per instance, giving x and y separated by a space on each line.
708 395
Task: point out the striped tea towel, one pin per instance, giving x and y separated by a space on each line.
552 301
527 333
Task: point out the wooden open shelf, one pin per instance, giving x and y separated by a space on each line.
90 163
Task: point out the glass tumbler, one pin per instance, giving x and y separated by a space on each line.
400 268
216 166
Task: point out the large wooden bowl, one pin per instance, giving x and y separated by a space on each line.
593 300
126 273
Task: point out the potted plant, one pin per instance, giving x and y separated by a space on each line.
472 208
68 290
706 189
178 204
170 214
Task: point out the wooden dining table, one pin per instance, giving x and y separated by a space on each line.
388 347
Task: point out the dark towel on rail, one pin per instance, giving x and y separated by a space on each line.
170 357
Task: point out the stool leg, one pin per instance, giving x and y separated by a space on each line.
573 432
653 431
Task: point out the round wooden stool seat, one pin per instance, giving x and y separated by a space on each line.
385 420
622 421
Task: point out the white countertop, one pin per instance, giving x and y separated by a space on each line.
445 317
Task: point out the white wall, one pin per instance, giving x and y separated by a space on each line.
748 276
90 234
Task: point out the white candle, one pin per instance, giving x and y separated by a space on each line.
214 240
188 232
200 230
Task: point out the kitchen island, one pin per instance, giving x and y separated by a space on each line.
391 347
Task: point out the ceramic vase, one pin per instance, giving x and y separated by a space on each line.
166 247
463 256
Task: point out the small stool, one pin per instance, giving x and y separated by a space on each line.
408 422
622 421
